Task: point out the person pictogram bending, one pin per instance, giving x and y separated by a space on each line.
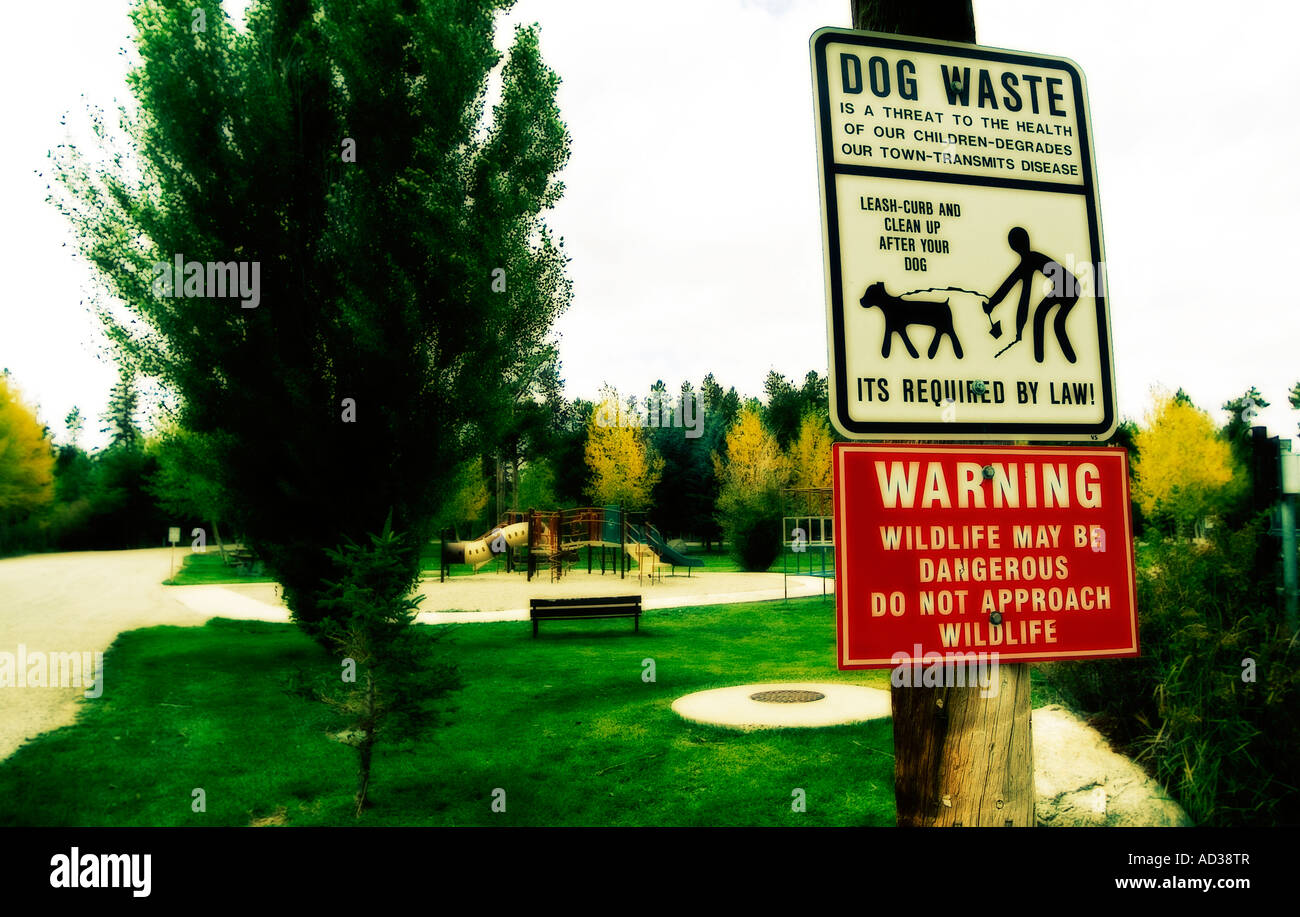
1064 293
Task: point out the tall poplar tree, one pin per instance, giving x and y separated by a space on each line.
342 156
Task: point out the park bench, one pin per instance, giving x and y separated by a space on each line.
622 606
244 560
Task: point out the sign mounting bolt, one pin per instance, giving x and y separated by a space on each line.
995 618
988 472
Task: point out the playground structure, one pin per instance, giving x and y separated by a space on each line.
554 540
808 540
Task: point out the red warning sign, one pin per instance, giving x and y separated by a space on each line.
1020 551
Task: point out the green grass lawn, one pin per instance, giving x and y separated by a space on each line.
564 724
718 561
786 562
209 569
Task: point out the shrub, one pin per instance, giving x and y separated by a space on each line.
753 530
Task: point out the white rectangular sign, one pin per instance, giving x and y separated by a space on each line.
964 265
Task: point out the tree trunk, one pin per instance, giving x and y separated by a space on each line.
221 546
500 491
366 747
364 751
514 480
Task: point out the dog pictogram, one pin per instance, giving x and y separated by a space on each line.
900 313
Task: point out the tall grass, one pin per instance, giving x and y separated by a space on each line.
1211 706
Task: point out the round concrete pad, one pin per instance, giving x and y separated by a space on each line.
736 709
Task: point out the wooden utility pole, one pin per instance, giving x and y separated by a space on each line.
960 759
964 760
947 20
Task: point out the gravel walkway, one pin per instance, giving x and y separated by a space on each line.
74 603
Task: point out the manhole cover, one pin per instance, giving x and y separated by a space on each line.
787 697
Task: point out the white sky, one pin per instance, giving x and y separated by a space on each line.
692 211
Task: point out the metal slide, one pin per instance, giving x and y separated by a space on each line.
671 556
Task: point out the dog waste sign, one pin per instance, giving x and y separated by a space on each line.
1023 553
964 267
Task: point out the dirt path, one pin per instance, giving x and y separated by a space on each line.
77 602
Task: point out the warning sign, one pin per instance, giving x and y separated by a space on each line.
964 265
1022 552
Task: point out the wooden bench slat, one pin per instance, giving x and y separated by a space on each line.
577 616
609 600
582 609
559 610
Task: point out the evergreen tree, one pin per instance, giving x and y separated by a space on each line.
72 466
1242 412
569 452
721 408
340 156
121 421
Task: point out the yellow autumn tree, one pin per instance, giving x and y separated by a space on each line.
1184 472
623 467
754 462
749 499
26 458
810 461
